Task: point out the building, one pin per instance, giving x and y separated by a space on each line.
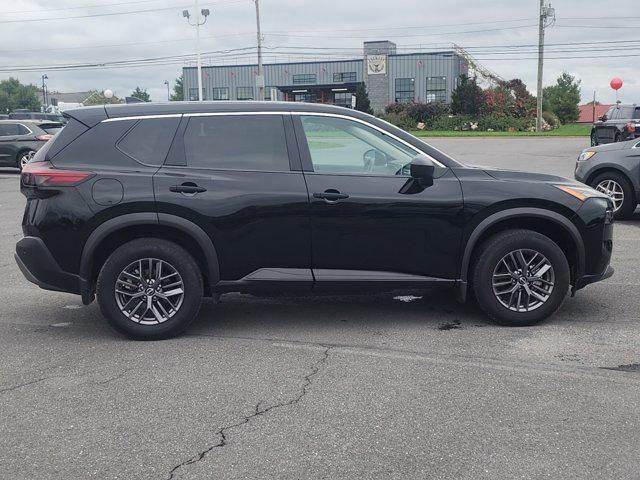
388 76
589 115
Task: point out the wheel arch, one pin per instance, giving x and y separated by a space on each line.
117 231
547 222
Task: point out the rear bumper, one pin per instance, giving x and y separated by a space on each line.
39 267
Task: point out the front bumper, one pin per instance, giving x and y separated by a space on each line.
589 279
39 267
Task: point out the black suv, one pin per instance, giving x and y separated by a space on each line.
619 124
153 206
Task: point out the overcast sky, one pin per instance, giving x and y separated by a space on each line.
311 26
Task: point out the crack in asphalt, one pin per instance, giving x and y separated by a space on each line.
115 377
25 384
258 411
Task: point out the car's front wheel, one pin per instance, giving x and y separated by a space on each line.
520 277
619 190
150 289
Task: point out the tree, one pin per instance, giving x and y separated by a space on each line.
525 103
14 95
96 97
362 99
178 90
141 94
466 98
563 98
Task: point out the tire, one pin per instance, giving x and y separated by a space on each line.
23 158
594 139
603 184
162 320
617 137
488 263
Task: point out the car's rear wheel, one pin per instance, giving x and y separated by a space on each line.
619 190
520 277
150 289
24 157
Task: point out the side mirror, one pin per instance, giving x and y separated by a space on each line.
603 118
422 169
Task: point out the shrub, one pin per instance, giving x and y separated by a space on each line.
452 123
552 119
501 123
427 112
395 108
400 120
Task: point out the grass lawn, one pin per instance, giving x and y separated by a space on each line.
572 130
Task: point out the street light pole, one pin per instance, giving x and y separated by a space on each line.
260 79
205 13
546 13
166 82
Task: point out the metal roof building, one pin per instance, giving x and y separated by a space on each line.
388 76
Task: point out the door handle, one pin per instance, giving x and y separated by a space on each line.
189 188
330 195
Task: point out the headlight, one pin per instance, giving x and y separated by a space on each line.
586 155
581 192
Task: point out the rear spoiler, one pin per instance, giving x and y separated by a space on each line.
88 116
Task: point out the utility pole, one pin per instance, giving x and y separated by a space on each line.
547 18
260 77
44 91
205 13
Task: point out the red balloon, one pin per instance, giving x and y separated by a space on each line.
616 83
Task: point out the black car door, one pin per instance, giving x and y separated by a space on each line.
9 134
237 176
363 226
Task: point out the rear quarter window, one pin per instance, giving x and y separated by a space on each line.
149 140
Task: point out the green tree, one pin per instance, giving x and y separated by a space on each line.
525 103
178 90
466 98
96 97
362 99
14 95
141 94
563 98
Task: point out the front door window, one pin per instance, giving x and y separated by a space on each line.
341 146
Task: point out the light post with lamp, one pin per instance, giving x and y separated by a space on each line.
205 13
44 91
166 82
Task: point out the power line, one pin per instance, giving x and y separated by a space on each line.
80 7
110 14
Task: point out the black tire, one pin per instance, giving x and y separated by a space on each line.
21 157
629 204
154 248
594 139
493 250
617 137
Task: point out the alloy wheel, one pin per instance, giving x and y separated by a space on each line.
614 191
25 158
149 291
523 280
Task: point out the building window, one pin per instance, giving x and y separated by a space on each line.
221 93
304 79
436 89
245 93
193 94
267 94
342 99
405 90
305 97
344 77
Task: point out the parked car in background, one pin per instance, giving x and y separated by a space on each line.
26 115
20 139
150 207
613 169
619 124
3 116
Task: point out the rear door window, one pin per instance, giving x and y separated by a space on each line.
149 140
10 129
237 142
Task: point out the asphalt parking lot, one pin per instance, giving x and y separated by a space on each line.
334 387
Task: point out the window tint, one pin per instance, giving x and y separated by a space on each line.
341 146
610 112
237 142
149 140
9 129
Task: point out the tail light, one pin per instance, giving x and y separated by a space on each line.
43 174
44 138
631 127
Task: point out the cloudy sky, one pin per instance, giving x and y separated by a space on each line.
501 34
